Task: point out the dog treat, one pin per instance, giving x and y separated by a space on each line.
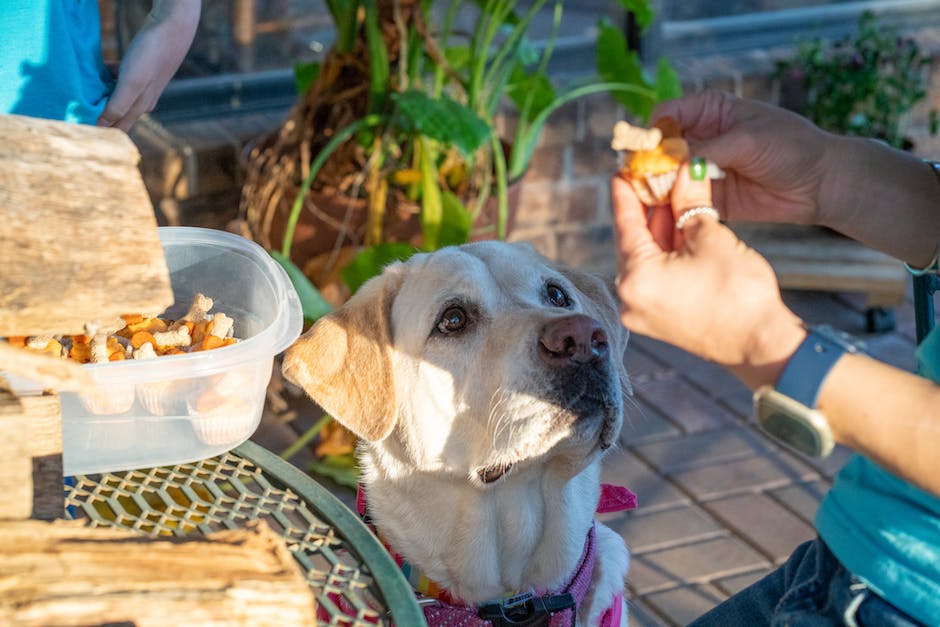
213 410
652 157
136 336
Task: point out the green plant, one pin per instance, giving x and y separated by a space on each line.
412 103
861 85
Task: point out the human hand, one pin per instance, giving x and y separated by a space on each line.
700 288
775 161
152 59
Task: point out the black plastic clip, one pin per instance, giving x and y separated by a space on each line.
526 610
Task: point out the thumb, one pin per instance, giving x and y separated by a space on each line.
630 224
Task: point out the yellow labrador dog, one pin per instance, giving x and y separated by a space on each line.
485 384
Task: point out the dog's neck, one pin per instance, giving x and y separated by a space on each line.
525 531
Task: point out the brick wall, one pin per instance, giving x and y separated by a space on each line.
564 197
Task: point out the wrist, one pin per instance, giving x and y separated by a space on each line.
770 348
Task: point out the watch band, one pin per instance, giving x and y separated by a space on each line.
803 376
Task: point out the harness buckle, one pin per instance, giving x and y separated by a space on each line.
526 610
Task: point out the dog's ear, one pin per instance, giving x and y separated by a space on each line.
343 362
603 306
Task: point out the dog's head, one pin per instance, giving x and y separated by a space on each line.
472 361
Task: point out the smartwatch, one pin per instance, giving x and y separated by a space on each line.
787 411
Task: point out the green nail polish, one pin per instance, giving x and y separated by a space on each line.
698 169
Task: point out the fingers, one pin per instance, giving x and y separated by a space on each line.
630 223
693 195
662 226
700 115
688 192
126 104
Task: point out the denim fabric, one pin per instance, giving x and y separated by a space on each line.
811 589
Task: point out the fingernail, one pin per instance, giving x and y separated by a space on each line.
698 169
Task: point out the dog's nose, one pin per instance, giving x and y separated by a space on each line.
577 339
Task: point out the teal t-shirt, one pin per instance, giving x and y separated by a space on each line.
50 60
886 530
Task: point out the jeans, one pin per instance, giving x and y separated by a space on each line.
812 589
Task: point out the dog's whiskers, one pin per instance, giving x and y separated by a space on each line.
497 420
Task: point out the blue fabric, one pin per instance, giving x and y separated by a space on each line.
812 589
50 60
887 532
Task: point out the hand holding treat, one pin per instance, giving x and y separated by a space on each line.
652 157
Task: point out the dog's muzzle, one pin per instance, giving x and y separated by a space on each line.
581 376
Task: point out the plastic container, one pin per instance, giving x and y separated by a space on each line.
180 408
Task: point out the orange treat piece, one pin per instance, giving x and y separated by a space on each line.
142 337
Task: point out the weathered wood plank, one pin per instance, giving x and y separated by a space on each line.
78 239
16 468
42 417
60 374
63 573
31 477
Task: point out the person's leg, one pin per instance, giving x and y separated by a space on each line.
812 589
794 587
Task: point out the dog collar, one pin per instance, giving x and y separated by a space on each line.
558 608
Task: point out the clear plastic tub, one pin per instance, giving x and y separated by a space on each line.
180 408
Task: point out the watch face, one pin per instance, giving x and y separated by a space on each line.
793 432
793 423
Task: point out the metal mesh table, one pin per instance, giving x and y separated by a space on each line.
354 580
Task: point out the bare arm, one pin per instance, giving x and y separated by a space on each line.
885 198
152 59
890 416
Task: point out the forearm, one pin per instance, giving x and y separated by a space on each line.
888 199
889 415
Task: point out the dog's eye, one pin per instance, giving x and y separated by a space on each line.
557 296
454 319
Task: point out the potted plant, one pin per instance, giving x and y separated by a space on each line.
860 85
393 144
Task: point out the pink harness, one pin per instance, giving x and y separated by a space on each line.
445 610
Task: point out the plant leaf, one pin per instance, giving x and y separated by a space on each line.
534 90
458 57
668 85
379 67
431 209
304 76
342 469
442 119
617 63
455 221
372 260
641 11
311 302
